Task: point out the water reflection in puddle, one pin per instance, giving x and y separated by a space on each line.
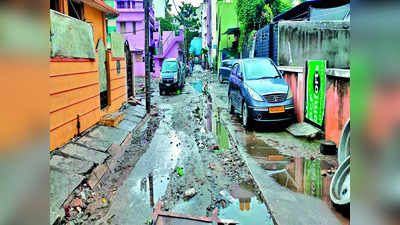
308 176
245 206
198 86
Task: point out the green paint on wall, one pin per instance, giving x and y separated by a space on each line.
117 45
226 13
315 87
70 37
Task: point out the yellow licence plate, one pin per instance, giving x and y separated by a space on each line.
277 109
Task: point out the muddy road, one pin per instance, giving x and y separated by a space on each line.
198 158
187 167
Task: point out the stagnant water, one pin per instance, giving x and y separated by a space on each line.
245 206
308 176
242 205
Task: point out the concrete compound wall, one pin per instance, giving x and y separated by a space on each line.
337 111
314 40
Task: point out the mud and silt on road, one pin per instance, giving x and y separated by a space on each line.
214 175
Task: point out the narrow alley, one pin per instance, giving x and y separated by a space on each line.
201 159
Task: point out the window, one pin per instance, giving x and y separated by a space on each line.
121 5
122 27
133 4
75 9
55 5
134 27
139 57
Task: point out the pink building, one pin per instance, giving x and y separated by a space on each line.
130 23
169 47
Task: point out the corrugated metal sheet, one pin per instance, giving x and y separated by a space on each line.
336 13
117 45
70 37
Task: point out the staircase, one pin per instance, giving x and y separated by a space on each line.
169 42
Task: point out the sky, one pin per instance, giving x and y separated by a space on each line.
195 3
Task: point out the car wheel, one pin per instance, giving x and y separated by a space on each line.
230 106
245 116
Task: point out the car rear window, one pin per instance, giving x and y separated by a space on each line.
169 66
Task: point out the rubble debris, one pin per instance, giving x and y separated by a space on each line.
189 193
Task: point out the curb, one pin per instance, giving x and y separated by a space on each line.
245 159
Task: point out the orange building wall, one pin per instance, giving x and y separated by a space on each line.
74 89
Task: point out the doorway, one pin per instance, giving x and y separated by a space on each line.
129 70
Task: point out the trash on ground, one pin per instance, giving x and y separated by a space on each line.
189 193
179 170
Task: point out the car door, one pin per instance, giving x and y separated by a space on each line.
234 86
239 87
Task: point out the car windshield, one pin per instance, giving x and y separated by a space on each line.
260 69
169 66
227 64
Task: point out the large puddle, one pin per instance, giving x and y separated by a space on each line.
198 86
245 206
308 176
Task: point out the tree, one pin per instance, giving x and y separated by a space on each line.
255 14
187 17
280 6
166 25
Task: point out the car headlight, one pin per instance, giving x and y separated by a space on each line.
175 77
254 95
289 94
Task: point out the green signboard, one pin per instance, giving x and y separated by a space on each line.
315 92
312 178
70 37
117 45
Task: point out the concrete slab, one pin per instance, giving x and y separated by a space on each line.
127 125
83 153
70 165
111 134
133 118
61 186
95 143
303 130
137 111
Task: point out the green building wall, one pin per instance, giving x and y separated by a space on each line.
226 14
111 25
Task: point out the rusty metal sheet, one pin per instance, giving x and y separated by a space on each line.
70 37
164 218
117 45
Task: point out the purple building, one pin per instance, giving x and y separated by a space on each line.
168 47
130 23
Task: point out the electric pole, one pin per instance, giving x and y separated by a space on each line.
146 53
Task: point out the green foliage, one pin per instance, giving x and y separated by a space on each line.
166 25
280 6
187 17
255 14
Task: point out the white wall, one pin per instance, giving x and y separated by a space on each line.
159 8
